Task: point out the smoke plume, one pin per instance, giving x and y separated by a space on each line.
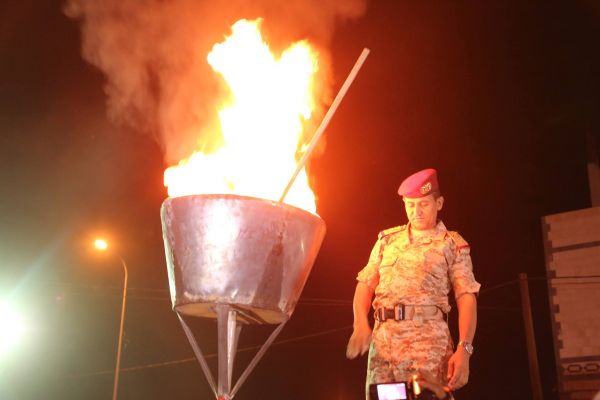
153 54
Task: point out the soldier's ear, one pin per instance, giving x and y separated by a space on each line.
439 202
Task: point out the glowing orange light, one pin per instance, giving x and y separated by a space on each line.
261 123
101 244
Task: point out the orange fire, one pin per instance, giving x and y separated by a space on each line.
261 124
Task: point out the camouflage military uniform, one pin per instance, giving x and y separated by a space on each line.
415 271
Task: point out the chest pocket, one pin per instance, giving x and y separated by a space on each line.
435 262
386 268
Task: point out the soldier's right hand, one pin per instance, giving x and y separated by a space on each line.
359 342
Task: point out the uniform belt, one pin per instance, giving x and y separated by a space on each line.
405 312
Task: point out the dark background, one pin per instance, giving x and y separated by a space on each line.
497 97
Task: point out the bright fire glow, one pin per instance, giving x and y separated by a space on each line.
261 123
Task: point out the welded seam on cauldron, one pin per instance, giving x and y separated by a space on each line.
249 315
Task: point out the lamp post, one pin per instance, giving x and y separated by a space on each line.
102 245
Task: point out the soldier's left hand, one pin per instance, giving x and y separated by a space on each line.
458 369
426 380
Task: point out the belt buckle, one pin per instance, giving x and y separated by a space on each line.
399 312
380 314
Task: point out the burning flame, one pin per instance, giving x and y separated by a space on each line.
261 124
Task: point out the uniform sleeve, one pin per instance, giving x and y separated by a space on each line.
461 270
369 275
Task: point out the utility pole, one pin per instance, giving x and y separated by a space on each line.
534 369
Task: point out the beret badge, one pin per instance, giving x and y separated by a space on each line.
419 184
426 188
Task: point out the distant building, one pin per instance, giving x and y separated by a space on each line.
572 247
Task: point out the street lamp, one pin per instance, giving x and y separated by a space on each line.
102 245
12 327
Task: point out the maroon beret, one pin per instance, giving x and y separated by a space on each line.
420 184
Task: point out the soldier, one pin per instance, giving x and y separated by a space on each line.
410 271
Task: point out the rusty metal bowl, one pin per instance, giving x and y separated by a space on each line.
252 254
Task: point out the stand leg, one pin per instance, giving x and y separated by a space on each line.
233 334
198 353
228 335
257 358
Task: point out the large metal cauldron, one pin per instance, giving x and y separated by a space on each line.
252 254
241 260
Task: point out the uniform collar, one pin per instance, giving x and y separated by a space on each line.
437 234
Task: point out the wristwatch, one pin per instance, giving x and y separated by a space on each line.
467 346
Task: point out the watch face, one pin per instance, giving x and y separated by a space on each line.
469 348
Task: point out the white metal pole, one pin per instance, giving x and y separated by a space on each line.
326 119
120 345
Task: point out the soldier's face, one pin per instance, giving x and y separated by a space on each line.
422 212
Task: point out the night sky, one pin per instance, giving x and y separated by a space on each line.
499 98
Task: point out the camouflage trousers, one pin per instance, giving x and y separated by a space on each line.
400 348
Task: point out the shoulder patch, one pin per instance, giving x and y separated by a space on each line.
391 231
458 240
